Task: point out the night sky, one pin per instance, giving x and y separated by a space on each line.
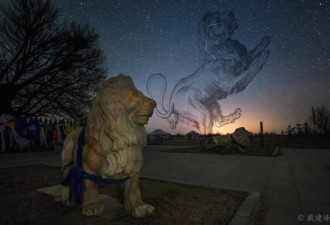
142 37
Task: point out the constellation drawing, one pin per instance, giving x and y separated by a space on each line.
227 68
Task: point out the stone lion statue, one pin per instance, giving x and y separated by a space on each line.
227 68
239 140
112 145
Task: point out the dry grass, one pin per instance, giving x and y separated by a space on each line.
270 143
253 149
179 204
175 204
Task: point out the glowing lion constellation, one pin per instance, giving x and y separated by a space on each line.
227 68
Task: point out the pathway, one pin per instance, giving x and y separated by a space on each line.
295 186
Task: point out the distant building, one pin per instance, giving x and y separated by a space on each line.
159 134
192 135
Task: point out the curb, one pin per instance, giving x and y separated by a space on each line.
276 151
174 181
243 213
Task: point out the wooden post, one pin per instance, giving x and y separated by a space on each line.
262 143
313 118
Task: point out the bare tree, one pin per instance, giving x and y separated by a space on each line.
46 67
306 128
322 119
290 130
299 128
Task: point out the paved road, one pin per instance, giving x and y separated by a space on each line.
295 184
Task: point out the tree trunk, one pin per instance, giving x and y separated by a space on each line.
6 97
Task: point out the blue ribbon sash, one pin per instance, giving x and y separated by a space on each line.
76 176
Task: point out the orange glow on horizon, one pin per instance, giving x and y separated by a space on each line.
230 128
251 122
217 130
250 125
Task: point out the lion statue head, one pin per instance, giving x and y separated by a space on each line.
218 26
116 120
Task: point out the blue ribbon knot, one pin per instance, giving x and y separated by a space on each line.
74 179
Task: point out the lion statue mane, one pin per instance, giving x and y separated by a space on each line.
114 138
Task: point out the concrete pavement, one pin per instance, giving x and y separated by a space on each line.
295 186
298 190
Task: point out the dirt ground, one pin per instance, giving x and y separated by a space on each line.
270 144
175 204
253 149
298 141
266 151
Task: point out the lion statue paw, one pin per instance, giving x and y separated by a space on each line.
142 210
64 198
93 209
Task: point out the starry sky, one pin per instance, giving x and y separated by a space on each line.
142 37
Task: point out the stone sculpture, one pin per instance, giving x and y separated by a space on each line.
112 146
239 140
